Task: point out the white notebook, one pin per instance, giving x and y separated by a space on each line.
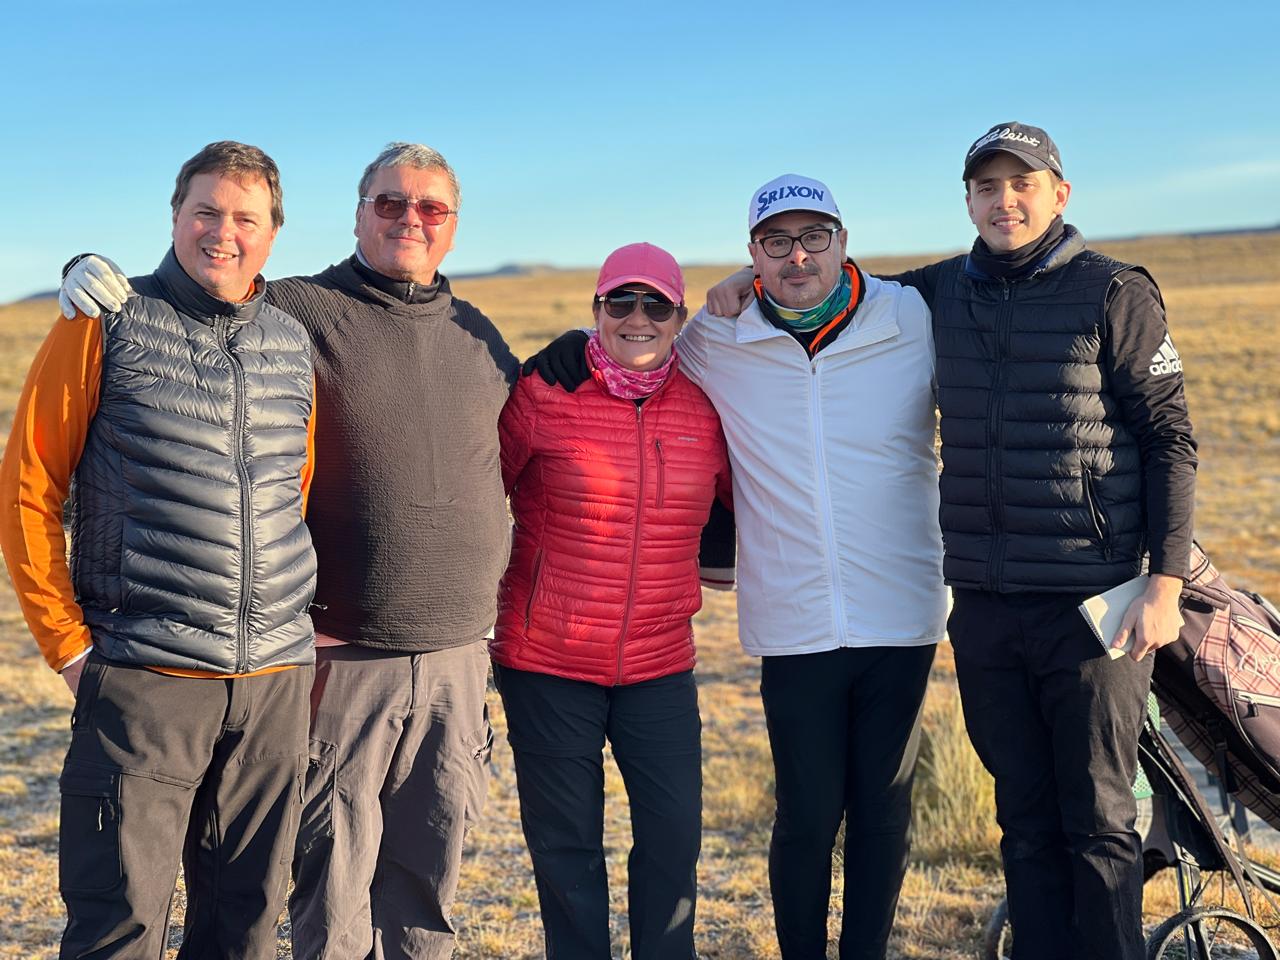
1104 613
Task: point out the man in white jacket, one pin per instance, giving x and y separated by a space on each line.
825 386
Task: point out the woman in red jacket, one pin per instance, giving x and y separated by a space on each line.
610 487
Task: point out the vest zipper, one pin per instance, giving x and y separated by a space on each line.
246 507
995 432
635 541
662 475
1101 522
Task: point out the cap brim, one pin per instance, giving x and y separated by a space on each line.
1030 159
613 283
826 213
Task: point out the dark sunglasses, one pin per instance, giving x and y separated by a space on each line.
619 305
432 212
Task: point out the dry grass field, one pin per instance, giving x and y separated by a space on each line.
1223 294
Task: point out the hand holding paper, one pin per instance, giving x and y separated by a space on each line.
1152 619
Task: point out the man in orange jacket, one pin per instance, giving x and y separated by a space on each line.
180 427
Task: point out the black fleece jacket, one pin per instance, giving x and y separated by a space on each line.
407 510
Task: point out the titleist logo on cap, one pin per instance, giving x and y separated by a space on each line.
1004 134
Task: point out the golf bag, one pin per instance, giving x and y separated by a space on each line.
1219 686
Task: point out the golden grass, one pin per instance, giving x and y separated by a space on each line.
1222 293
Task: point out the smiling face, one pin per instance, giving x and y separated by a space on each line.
1011 204
637 341
222 233
406 248
801 279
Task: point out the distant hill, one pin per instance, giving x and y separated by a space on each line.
1168 256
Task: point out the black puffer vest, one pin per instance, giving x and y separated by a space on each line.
1041 480
188 545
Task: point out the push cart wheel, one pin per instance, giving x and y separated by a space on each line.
997 939
1214 933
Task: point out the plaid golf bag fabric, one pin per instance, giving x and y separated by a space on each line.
1219 685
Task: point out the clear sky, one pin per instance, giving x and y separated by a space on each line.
577 127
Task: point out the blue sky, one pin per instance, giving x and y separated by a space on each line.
577 127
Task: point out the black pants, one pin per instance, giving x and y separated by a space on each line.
161 767
557 729
844 727
1056 722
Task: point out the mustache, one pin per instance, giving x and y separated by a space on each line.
805 270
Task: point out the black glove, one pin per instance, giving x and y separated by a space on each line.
562 361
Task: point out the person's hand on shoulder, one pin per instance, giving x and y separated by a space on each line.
730 296
92 284
1154 619
562 361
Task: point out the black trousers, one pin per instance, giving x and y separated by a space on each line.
165 767
1056 722
844 727
557 729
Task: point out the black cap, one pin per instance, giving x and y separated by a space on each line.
1029 144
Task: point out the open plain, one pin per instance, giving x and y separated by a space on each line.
1223 297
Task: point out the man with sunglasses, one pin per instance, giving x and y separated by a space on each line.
824 386
409 521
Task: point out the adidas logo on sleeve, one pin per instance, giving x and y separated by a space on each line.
1166 359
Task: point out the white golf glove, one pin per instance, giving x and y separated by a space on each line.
92 285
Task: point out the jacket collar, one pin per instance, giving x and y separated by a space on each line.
1071 244
352 276
870 324
403 290
190 298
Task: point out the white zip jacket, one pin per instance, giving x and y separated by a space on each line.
835 483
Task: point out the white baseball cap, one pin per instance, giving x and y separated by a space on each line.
791 192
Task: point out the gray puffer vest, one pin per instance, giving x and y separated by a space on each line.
189 549
1042 480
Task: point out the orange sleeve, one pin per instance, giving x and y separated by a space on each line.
309 468
58 401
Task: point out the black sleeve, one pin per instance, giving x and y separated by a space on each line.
717 552
1145 378
924 279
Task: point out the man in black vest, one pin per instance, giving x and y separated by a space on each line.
1067 456
180 426
410 526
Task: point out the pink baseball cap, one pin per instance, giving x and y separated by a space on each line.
642 263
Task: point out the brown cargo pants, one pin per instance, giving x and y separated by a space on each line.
400 747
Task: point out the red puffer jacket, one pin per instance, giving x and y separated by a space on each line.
609 502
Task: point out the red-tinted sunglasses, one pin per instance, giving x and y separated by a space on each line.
432 212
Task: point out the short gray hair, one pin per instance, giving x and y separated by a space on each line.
417 155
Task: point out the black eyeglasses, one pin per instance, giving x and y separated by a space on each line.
778 245
619 305
432 212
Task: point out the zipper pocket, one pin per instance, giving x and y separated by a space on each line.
1101 523
662 475
1255 700
534 583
